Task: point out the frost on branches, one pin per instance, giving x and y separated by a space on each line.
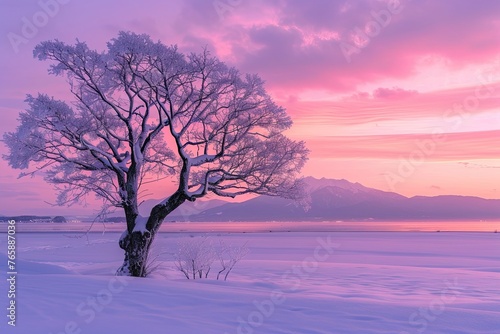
143 109
195 256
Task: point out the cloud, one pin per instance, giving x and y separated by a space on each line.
393 93
296 44
12 190
451 146
398 104
475 165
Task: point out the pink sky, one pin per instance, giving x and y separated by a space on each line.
400 96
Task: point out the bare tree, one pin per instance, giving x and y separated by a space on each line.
143 109
229 256
194 257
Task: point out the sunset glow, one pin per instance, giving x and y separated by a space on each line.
396 95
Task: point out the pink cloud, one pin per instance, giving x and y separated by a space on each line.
398 104
442 147
393 93
282 51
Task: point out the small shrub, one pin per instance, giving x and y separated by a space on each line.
195 256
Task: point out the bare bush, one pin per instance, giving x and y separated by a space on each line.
152 262
195 256
228 256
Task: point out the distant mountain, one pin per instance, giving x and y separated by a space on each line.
182 213
187 209
343 200
330 200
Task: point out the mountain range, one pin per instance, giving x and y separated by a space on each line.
332 199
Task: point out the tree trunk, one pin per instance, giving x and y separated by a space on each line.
136 246
137 243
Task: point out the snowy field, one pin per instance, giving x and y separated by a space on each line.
290 282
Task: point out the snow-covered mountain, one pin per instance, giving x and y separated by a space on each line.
185 210
343 200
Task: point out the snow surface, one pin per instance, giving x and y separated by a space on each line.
298 282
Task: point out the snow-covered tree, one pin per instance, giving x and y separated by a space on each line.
142 108
194 257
